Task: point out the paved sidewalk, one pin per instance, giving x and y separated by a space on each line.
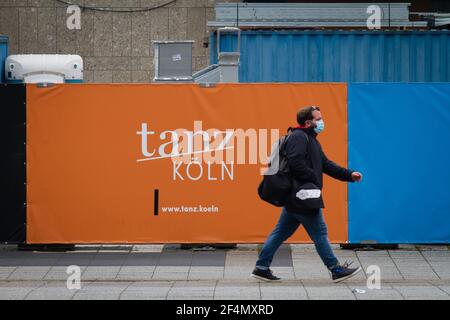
167 272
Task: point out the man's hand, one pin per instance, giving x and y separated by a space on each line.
357 176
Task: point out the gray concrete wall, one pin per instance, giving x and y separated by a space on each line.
116 47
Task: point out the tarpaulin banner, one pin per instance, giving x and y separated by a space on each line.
12 163
399 138
167 163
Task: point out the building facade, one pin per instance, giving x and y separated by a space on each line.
115 44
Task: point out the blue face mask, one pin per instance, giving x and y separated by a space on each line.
320 125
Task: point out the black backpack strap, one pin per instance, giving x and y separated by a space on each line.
283 144
308 148
290 130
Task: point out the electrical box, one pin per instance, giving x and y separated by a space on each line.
173 60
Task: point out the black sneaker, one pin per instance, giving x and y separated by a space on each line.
264 275
343 272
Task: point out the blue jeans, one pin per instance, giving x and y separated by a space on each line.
288 223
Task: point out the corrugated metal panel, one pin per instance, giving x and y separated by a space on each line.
341 56
3 55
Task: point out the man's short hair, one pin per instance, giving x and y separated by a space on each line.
305 114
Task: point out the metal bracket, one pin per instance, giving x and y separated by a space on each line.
45 85
207 85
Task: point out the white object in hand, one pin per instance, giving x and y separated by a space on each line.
304 194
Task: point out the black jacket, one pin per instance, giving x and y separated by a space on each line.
307 161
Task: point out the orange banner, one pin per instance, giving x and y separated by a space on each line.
167 163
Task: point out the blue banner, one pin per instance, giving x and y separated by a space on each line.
399 138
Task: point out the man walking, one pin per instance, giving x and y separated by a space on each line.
307 162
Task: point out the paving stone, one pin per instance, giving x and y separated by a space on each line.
412 265
104 295
100 273
234 291
441 268
172 269
283 257
29 273
142 259
198 273
100 291
305 270
388 269
51 291
445 288
309 257
190 290
205 276
325 293
146 291
302 247
59 273
283 292
17 290
136 273
28 259
79 259
421 291
184 284
372 253
378 294
212 259
406 255
14 293
390 274
241 259
237 272
171 273
5 272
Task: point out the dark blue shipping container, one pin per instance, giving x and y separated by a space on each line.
340 56
3 55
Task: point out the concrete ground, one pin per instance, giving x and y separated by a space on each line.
168 272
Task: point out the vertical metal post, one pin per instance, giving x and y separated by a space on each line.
237 14
389 14
229 61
